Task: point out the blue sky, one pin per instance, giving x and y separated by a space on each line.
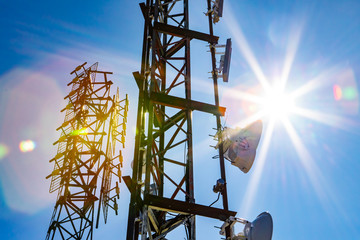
306 171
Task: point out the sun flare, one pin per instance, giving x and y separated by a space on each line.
273 101
277 104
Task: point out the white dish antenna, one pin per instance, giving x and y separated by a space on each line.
240 144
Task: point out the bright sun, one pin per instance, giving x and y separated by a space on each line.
273 102
277 104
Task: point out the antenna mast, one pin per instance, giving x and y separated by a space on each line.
162 198
87 155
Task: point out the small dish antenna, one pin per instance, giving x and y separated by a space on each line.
240 144
259 229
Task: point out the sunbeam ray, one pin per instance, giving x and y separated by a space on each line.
244 47
258 115
327 119
241 95
251 189
325 194
203 86
292 48
306 160
316 82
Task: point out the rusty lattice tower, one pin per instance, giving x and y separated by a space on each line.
162 186
88 158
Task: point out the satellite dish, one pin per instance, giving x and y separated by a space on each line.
240 144
260 229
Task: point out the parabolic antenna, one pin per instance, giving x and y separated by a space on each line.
260 229
240 144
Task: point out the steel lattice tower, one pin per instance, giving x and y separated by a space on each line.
162 198
87 156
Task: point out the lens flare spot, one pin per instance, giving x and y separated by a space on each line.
337 92
253 108
4 150
27 146
83 131
350 93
